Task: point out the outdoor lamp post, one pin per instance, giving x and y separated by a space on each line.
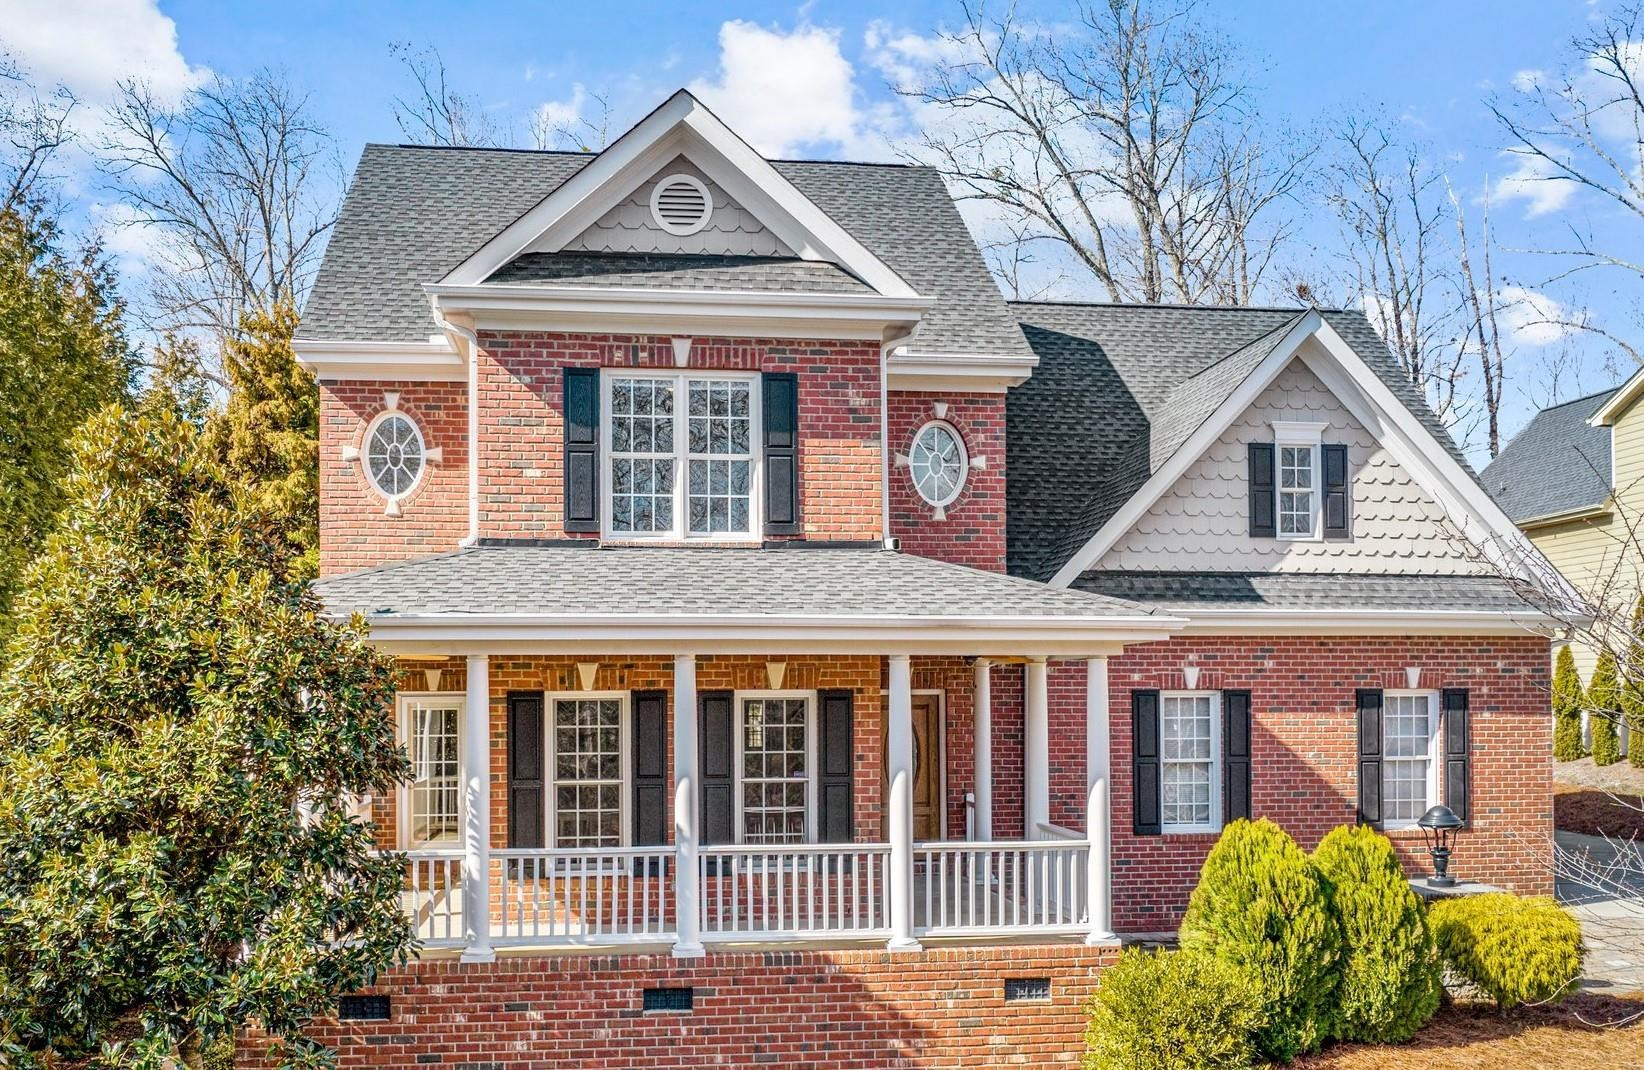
1439 827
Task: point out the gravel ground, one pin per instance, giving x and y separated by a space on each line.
1583 773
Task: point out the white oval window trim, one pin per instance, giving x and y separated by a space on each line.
938 463
405 454
681 204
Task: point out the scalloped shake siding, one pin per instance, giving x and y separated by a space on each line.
1202 522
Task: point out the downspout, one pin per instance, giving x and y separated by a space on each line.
885 462
469 336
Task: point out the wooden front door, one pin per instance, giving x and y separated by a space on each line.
927 767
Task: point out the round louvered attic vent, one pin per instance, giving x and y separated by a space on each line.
681 205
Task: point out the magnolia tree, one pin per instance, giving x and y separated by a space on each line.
180 733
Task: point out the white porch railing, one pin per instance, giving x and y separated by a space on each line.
605 895
802 892
976 889
432 896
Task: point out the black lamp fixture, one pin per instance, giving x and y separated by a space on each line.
1439 827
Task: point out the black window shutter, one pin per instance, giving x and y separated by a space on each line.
1235 756
717 742
1369 707
837 784
650 758
526 763
581 449
781 448
1458 749
1144 761
1263 509
1336 493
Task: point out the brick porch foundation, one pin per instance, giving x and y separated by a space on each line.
941 1008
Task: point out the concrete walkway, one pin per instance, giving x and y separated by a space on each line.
1612 917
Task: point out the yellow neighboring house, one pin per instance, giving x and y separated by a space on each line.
1573 480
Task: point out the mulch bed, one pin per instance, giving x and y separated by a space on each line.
1585 1030
1598 813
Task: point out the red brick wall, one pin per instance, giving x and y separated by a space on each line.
354 531
793 1009
973 530
522 493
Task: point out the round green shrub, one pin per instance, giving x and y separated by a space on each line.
1261 906
1171 1010
1390 979
1513 949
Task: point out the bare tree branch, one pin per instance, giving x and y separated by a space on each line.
436 114
33 128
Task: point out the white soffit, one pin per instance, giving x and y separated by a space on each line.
415 361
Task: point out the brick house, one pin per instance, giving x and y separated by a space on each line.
851 656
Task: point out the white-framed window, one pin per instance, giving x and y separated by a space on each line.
1297 449
395 455
588 761
938 463
431 804
1190 744
683 461
1409 756
776 749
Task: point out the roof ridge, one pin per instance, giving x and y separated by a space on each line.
1576 401
1178 306
903 165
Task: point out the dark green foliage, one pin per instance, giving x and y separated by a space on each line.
63 356
1632 690
1514 949
169 712
1390 982
1567 745
1171 1010
1604 710
1261 906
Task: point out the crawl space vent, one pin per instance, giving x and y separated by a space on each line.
681 204
1019 989
670 999
362 1008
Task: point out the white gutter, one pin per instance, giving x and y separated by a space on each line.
1383 622
499 297
468 335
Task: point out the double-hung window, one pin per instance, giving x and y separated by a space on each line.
1297 449
683 461
431 805
1189 742
1409 765
775 796
586 733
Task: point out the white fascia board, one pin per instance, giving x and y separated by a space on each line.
1585 512
416 361
1194 447
682 124
1367 622
979 372
1611 410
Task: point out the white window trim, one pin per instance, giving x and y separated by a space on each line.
365 454
1311 435
550 801
680 532
1435 731
404 701
811 790
964 463
1215 823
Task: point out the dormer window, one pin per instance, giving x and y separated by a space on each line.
682 455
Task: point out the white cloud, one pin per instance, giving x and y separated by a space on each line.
1526 80
559 113
1532 181
91 45
784 91
1529 318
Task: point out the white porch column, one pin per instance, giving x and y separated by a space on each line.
476 828
1035 749
899 807
1098 812
983 719
688 943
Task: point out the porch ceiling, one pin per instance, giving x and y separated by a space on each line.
544 598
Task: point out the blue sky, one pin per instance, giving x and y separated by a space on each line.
811 80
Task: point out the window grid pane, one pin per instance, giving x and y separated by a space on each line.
774 774
1407 739
720 447
1186 757
435 774
588 772
1296 490
642 455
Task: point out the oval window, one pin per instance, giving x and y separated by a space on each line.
394 455
938 463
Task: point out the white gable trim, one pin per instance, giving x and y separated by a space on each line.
1475 514
1176 465
1609 412
434 360
681 125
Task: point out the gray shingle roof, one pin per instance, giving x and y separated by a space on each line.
1118 387
1556 464
1188 591
677 271
414 213
640 581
